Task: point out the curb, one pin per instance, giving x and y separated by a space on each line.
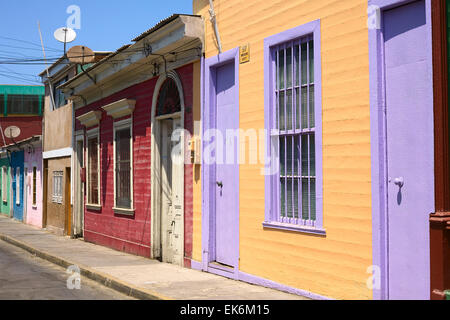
97 276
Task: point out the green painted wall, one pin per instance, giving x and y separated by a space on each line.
4 206
12 89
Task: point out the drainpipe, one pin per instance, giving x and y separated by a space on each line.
213 20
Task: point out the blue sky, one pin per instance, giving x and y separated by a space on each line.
106 25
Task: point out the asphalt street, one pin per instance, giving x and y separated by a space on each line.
24 276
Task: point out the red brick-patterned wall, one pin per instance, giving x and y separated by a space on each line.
133 234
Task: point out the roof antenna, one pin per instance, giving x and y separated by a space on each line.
46 68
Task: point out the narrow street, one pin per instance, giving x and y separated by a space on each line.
27 277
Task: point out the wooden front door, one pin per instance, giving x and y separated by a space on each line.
172 170
68 206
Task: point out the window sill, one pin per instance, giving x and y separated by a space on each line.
295 228
95 207
122 211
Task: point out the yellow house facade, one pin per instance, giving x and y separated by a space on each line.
334 262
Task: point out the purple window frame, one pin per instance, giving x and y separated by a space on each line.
272 182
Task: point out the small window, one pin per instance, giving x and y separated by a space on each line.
2 103
93 174
34 185
58 95
4 184
123 166
57 195
168 99
18 186
23 104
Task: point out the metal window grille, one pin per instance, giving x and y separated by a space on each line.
57 186
93 171
123 168
34 185
295 120
4 184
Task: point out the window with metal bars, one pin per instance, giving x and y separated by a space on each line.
123 167
4 184
93 174
34 185
293 117
57 196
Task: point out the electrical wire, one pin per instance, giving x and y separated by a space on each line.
28 42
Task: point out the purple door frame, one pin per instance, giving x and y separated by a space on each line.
208 170
378 138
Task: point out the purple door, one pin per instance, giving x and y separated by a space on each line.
410 168
227 168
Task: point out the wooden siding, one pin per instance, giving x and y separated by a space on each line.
335 265
132 233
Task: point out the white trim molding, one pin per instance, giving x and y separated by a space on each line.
156 165
121 108
94 133
59 153
118 125
90 119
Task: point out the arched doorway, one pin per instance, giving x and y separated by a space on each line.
167 175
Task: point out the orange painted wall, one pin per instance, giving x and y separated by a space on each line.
335 265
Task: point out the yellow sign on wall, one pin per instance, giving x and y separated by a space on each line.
244 55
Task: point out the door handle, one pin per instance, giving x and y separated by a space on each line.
399 181
219 184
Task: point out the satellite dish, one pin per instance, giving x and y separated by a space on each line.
12 132
80 55
65 35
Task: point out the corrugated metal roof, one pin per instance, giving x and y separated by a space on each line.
161 24
95 65
143 35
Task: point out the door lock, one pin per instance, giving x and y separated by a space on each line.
399 181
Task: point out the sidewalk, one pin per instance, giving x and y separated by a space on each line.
138 277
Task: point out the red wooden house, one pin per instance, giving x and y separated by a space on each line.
128 108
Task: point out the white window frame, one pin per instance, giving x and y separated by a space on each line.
119 125
18 186
90 134
57 192
4 184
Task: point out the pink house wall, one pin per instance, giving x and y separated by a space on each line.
33 212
